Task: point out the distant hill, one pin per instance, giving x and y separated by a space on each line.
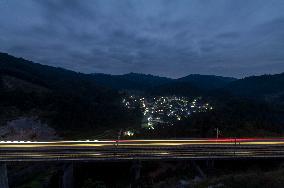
267 86
177 88
190 85
131 81
95 85
58 79
64 99
207 82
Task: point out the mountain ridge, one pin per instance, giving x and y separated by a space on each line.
259 86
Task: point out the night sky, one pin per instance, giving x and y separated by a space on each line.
170 38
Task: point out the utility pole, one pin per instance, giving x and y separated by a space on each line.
119 134
117 141
217 132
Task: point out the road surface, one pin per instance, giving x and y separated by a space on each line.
89 150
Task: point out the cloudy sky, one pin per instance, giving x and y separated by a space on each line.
170 38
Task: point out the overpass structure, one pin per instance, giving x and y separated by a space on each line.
136 150
112 150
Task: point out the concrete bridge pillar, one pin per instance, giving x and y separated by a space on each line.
135 174
3 176
198 169
210 164
67 178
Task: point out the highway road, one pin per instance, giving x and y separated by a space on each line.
96 150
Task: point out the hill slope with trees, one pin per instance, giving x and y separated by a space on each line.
66 100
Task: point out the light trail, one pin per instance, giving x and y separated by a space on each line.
224 148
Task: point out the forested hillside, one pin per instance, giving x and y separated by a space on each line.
66 100
265 86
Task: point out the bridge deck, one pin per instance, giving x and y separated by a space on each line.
142 150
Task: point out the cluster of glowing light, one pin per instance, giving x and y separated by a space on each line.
165 109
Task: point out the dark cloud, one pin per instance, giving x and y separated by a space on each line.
228 35
164 37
